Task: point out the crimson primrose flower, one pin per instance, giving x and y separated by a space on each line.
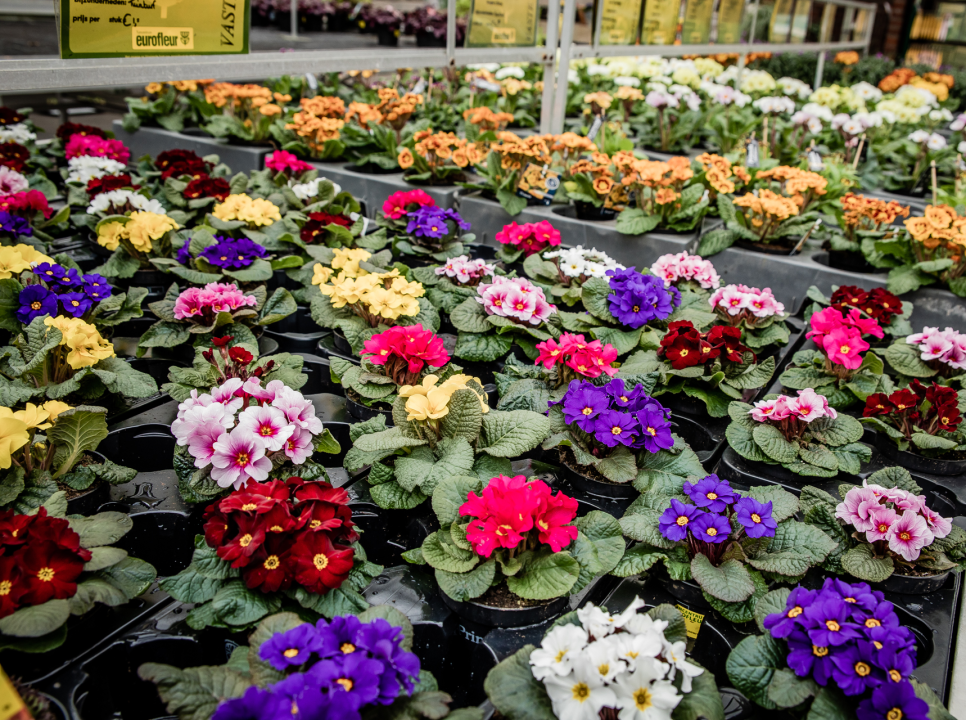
320 565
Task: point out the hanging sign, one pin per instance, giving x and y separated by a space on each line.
619 22
502 22
781 21
803 9
696 29
729 21
121 28
660 22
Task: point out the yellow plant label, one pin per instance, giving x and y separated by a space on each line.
660 22
502 22
119 28
692 621
729 21
696 29
11 705
619 21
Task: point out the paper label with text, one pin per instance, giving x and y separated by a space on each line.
692 621
120 28
502 23
619 22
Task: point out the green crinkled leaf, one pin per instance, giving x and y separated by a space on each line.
75 432
510 434
194 693
774 444
482 347
513 690
450 494
605 532
830 704
637 560
235 604
470 317
819 455
842 430
465 416
392 496
35 621
105 528
752 665
788 690
794 536
771 603
435 554
861 562
545 575
190 586
784 504
467 585
729 581
905 359
788 563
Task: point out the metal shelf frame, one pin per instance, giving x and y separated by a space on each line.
55 75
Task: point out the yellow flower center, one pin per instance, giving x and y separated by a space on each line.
712 531
560 656
248 507
832 625
894 714
862 669
615 431
636 308
346 683
712 496
795 611
895 675
904 535
642 699
314 524
581 692
756 517
35 305
246 540
844 349
271 562
275 529
872 622
347 648
819 651
291 652
587 410
320 561
684 352
682 520
45 574
242 459
603 669
5 587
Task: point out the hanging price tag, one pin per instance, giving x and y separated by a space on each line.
692 621
420 87
502 22
112 28
619 21
660 22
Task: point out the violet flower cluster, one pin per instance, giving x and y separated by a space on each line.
850 636
638 299
334 670
434 222
14 225
709 519
228 252
614 414
60 290
241 428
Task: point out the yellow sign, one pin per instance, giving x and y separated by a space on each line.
803 9
502 22
120 28
729 21
692 621
619 21
781 20
696 29
11 706
660 22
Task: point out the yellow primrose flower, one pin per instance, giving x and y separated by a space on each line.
13 436
459 382
147 226
256 212
431 406
428 383
348 260
55 408
410 289
110 234
87 347
31 254
34 416
11 263
384 302
320 274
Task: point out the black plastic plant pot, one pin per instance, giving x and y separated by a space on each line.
370 168
581 479
296 333
363 412
479 612
765 248
157 284
748 473
912 584
389 533
428 39
88 501
481 251
342 345
851 261
260 19
283 20
917 463
590 212
310 22
686 592
388 37
319 377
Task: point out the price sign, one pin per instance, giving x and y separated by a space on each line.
619 22
729 21
124 28
696 29
502 22
660 22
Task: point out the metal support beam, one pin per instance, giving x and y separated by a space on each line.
563 68
550 73
294 22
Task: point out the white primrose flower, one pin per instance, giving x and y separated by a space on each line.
819 111
579 696
596 70
489 67
645 694
936 142
660 99
675 654
867 92
573 268
596 621
512 71
793 86
592 269
87 167
603 659
853 127
919 136
309 190
627 81
18 133
961 148
572 77
774 105
118 198
940 115
558 651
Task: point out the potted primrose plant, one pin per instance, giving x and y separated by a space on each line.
514 554
441 429
886 533
566 676
50 448
525 240
930 354
395 358
862 222
563 272
665 195
839 651
930 251
600 430
803 435
891 313
919 427
53 568
328 670
288 539
722 549
838 368
450 284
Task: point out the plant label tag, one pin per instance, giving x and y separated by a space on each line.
356 10
481 84
420 87
538 183
595 127
310 79
12 707
692 621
